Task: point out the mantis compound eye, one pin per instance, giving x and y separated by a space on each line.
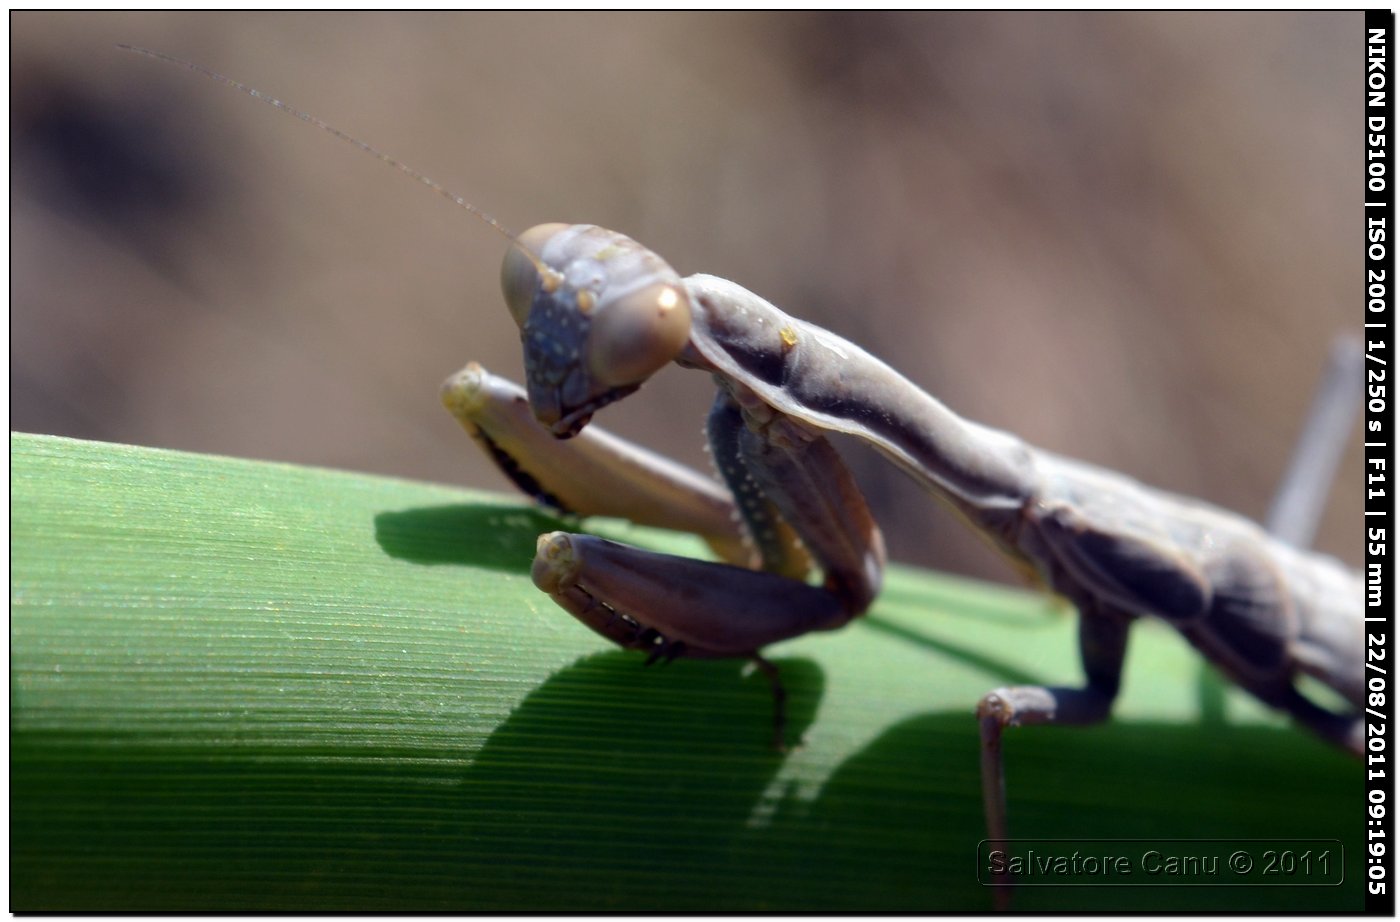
637 334
598 315
520 274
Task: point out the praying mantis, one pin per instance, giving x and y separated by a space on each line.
599 314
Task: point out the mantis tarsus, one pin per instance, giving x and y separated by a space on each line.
599 314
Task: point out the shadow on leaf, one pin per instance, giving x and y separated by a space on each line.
497 537
612 787
1002 670
900 819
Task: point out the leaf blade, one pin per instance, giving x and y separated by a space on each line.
242 685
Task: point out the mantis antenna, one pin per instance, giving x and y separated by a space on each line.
545 271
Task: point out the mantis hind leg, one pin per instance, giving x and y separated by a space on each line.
1345 731
1297 507
1103 644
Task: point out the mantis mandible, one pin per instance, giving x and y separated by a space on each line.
599 314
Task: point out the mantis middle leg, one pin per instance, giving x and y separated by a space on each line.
1103 644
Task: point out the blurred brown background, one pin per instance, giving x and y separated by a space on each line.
1126 237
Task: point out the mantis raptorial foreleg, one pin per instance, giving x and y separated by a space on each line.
596 473
692 607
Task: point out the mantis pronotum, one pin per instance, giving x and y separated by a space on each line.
599 314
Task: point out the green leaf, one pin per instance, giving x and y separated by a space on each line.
239 685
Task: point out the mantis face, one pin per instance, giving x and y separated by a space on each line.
598 315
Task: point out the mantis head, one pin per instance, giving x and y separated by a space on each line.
598 315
